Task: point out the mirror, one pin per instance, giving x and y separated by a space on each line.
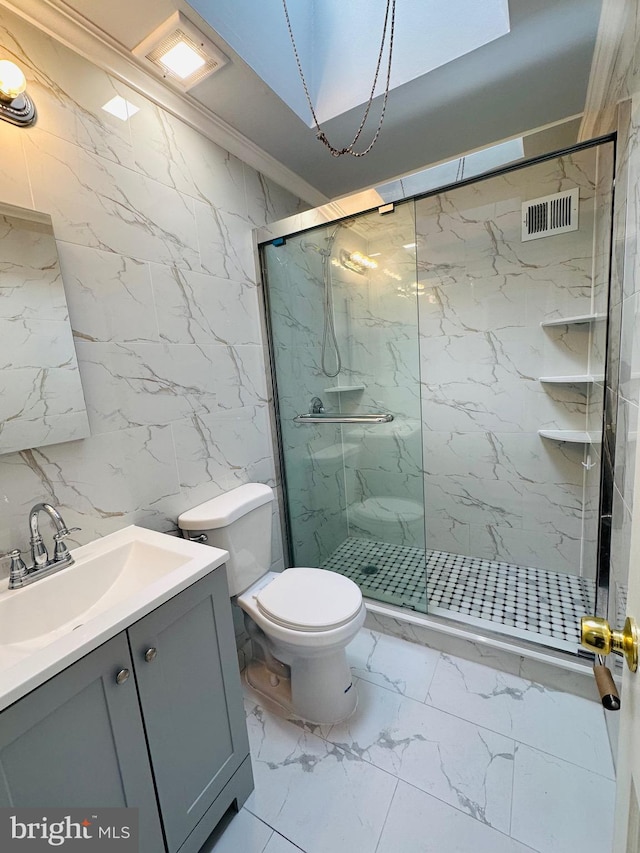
41 399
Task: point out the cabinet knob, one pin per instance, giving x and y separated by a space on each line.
150 654
122 676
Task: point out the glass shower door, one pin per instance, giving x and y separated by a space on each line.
342 304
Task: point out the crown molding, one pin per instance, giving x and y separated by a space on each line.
604 91
65 25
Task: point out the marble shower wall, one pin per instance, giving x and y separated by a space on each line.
332 470
493 487
153 224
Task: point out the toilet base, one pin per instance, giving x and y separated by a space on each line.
320 691
274 689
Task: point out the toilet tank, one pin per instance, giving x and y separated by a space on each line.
240 522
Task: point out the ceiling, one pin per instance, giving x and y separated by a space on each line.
533 75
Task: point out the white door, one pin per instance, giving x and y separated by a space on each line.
627 821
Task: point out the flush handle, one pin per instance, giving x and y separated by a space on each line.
597 636
150 654
122 676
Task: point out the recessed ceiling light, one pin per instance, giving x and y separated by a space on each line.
121 108
183 60
180 52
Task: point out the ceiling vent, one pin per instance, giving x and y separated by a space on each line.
180 52
551 214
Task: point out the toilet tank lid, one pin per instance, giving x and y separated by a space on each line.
228 507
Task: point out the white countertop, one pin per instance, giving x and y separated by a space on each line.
26 664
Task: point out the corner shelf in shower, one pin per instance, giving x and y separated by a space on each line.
343 389
573 436
576 379
577 320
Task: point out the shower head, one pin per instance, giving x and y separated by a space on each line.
313 247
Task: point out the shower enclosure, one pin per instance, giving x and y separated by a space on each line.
439 373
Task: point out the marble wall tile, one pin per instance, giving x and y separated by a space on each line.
174 154
110 296
15 179
502 456
470 500
129 384
554 551
69 92
482 351
202 309
451 535
95 202
225 242
100 484
220 451
153 224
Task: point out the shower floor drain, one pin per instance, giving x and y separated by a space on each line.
369 569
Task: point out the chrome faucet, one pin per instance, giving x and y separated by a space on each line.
20 574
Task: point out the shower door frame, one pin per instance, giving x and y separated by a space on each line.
324 216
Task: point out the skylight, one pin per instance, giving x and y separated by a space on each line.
338 43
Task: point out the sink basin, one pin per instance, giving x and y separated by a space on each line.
113 582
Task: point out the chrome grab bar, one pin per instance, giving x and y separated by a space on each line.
337 418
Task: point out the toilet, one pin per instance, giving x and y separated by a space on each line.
300 620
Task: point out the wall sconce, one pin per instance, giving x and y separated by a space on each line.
16 106
357 262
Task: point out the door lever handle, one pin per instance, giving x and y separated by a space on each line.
597 636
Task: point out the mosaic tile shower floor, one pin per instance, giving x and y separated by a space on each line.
537 605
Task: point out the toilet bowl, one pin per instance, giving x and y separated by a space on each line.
301 619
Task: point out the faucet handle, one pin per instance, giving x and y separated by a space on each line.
61 552
18 570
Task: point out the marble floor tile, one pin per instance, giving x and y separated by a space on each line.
407 776
457 762
277 844
558 807
567 726
419 823
319 796
392 663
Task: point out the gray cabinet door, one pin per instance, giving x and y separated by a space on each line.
191 701
78 741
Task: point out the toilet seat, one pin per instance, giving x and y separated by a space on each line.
304 599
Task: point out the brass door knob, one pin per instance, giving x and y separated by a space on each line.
597 636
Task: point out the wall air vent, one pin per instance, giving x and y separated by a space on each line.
551 214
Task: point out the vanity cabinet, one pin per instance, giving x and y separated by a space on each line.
152 719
